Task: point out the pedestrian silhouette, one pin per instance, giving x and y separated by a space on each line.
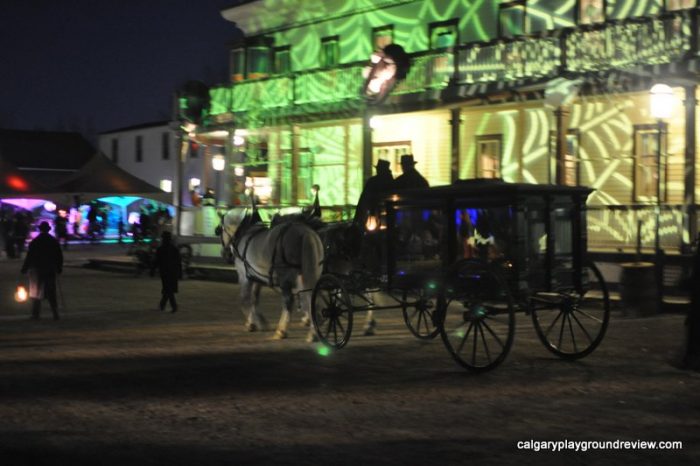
169 264
371 197
411 178
44 262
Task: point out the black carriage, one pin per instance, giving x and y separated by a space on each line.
460 260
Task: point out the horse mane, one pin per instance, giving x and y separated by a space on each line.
314 223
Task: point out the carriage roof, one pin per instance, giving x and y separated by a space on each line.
488 190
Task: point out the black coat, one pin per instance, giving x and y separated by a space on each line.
371 196
169 264
44 255
410 179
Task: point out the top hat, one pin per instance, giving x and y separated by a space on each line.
44 227
382 164
407 159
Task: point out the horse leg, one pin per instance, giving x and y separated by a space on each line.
370 323
288 302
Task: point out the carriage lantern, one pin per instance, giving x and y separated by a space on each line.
21 294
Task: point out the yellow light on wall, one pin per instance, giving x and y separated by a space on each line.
166 185
661 101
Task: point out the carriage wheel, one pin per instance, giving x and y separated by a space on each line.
571 323
420 317
331 312
477 318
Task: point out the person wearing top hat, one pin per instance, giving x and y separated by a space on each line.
169 264
43 262
410 179
371 196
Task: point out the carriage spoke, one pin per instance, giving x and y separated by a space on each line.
464 338
571 330
486 346
500 342
554 322
592 317
340 324
582 328
474 345
561 331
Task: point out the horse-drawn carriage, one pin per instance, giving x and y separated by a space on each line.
460 260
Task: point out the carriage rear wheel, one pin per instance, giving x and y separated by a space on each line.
572 322
331 312
419 313
476 316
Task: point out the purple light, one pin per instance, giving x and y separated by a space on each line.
27 204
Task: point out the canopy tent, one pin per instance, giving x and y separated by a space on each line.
101 178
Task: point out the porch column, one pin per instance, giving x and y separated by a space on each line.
689 179
366 147
295 164
561 115
455 139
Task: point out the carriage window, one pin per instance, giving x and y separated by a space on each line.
488 156
646 171
484 233
419 240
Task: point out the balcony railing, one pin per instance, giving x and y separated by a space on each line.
612 45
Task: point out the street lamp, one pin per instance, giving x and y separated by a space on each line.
660 107
218 163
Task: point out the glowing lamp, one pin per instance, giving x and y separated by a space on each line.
239 171
49 206
21 294
372 223
661 101
166 185
238 140
218 162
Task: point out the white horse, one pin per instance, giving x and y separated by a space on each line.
288 256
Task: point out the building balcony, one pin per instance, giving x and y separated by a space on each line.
613 45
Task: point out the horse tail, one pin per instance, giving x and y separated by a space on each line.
311 258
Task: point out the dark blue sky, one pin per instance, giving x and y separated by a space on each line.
96 65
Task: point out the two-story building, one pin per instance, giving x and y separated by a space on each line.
539 91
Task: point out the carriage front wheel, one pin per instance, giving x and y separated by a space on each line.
571 322
419 307
331 312
476 316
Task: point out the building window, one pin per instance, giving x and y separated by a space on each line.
488 156
165 141
571 158
330 51
283 60
646 170
591 11
258 59
672 5
443 35
115 150
237 65
139 148
512 19
382 36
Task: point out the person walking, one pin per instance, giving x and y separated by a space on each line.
370 199
411 178
169 264
44 261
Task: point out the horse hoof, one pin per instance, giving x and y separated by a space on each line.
251 327
279 335
369 329
311 337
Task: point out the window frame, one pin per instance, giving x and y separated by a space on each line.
138 148
579 15
335 40
276 52
574 133
450 23
640 131
479 166
502 8
380 29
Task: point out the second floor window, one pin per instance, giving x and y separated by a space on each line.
488 156
382 36
443 35
591 11
139 149
282 60
330 51
571 157
165 141
115 150
512 19
679 4
237 65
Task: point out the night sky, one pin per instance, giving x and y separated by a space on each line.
96 65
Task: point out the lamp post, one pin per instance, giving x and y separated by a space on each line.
660 106
218 163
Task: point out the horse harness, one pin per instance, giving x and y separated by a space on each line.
250 271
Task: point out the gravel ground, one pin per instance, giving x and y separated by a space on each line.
116 382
